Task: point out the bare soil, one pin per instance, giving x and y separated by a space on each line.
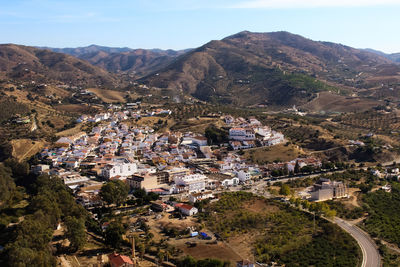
327 101
109 96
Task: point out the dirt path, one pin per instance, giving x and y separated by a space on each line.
25 155
64 262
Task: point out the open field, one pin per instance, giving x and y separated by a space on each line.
272 153
25 148
77 108
71 131
217 251
336 103
109 96
197 125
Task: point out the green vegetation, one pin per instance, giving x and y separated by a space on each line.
384 214
308 83
48 202
283 234
216 136
143 198
345 212
285 190
10 107
389 257
191 262
76 232
114 192
113 234
330 247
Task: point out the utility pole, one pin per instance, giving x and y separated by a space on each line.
132 237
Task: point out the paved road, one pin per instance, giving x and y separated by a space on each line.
370 253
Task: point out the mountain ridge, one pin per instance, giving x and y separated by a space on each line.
138 62
276 68
25 63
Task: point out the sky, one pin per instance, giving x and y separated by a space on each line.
180 24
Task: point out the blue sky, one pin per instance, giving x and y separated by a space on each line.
179 24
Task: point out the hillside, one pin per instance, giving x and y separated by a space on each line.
27 64
395 57
138 62
276 68
79 51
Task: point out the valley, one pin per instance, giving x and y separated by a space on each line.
252 148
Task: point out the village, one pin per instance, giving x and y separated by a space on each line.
179 167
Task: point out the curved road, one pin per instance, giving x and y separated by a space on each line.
371 257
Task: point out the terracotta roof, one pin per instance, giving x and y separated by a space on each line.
119 260
184 206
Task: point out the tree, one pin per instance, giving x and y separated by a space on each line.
7 187
160 256
297 167
113 235
114 192
285 190
141 250
75 232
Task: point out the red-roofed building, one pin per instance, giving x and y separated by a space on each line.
117 260
186 209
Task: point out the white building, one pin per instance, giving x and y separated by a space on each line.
241 134
276 138
119 169
186 209
244 175
192 183
199 140
230 181
193 198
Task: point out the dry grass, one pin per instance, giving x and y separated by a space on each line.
71 131
269 154
331 102
197 125
259 206
217 251
77 108
59 92
26 148
109 96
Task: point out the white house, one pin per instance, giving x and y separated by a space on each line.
118 169
276 138
186 209
229 119
193 198
192 183
230 181
199 140
241 134
244 175
235 145
38 169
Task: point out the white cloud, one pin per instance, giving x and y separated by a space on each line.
313 3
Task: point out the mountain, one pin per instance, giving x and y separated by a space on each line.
24 63
139 61
126 60
79 51
395 57
277 68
